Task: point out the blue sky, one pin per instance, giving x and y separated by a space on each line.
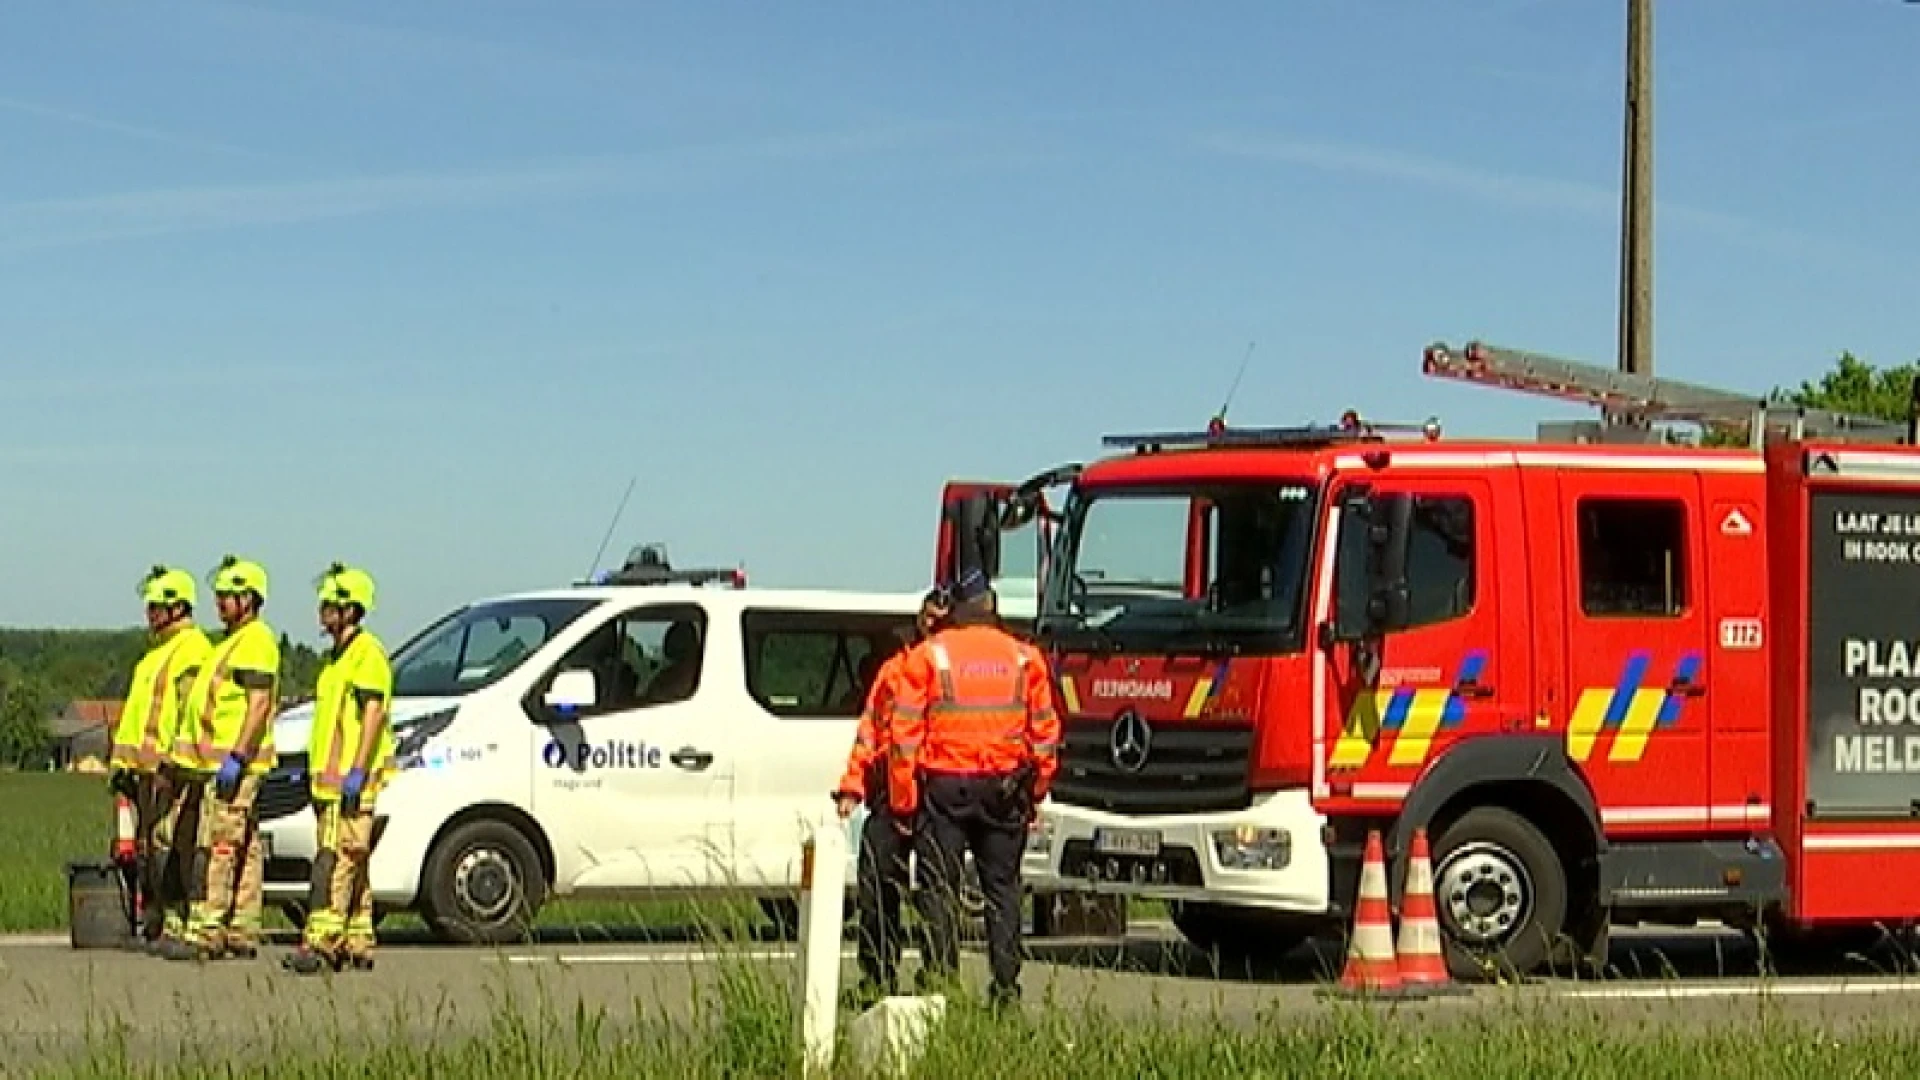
422 285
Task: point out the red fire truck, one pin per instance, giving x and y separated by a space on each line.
1617 680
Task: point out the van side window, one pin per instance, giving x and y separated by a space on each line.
817 663
1633 557
1442 563
647 657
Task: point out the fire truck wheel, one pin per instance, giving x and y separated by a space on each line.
1500 891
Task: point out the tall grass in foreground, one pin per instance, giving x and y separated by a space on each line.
744 1027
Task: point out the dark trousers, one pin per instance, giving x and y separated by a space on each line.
961 814
881 881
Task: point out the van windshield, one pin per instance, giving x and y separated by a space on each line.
477 646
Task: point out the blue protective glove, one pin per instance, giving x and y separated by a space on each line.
350 790
227 780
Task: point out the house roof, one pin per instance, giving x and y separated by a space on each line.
85 714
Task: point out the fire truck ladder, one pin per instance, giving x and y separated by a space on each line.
1645 399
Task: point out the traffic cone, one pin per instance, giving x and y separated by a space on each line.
123 837
1371 969
1423 964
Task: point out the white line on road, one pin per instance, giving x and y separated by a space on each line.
683 957
1794 989
32 941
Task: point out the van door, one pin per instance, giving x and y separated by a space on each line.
1637 663
635 791
808 672
1005 530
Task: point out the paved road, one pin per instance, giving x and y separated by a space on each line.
54 999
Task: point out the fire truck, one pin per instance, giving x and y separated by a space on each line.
1617 679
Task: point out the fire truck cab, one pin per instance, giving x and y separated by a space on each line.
1615 681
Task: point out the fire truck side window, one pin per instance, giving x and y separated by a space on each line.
1633 560
1441 562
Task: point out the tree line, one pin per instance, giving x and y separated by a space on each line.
42 670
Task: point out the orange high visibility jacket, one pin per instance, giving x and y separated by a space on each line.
871 741
972 700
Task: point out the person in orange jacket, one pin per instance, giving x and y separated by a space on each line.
975 749
882 874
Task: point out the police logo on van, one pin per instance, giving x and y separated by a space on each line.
611 754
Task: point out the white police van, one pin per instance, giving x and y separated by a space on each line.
646 735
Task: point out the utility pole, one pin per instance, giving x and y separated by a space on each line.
1636 197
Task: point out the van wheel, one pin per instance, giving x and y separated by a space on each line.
1501 894
483 884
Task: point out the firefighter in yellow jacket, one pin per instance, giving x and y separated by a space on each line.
143 744
351 755
226 739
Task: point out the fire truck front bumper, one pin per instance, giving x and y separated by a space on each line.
1269 855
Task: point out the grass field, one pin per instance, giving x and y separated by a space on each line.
50 819
745 1028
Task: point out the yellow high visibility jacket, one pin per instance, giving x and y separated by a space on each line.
150 719
354 675
248 658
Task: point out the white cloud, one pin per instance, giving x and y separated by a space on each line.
23 107
1506 189
50 223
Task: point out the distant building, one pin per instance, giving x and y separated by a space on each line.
82 730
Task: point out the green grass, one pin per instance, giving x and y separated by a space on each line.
46 821
743 1026
50 819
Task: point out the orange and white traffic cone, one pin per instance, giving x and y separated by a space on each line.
1423 963
123 830
1371 969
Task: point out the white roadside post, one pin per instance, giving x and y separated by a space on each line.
823 888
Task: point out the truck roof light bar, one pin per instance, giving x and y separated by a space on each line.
647 564
1643 396
1351 429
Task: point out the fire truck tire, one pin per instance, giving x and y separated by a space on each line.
1501 893
1237 935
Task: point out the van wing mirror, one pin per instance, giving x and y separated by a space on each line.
572 691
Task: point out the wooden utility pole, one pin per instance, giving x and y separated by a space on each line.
1636 197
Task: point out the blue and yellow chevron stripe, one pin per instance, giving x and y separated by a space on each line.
1414 714
1205 689
1631 711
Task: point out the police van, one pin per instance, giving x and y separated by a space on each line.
646 734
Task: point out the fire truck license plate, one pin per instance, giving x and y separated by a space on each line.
1126 841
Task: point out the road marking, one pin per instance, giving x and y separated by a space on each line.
32 941
1794 989
681 957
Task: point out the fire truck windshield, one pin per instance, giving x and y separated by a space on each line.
1215 565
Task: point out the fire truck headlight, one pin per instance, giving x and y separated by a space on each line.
1249 848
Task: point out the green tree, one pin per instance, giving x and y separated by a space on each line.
26 712
1851 386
